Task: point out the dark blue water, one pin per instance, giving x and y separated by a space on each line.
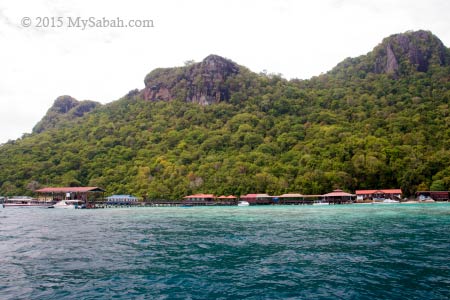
290 252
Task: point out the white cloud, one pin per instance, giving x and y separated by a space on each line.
296 38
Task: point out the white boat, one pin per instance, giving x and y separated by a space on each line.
385 201
390 201
423 198
70 204
243 203
23 201
321 203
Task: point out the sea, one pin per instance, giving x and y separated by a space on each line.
395 251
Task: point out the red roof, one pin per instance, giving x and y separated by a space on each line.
226 197
256 196
388 191
75 189
200 196
290 196
338 193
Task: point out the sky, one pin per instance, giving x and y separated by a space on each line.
43 54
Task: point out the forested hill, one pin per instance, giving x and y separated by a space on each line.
380 120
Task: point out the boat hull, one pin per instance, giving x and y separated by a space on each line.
67 204
386 201
25 205
64 206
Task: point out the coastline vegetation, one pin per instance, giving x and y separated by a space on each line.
350 128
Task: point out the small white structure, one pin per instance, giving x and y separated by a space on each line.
121 199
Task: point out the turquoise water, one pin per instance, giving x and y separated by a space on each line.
282 252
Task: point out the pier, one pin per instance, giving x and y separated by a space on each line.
93 198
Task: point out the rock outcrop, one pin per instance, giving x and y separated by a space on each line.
416 50
398 55
203 83
64 108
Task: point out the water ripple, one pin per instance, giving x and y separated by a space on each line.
338 252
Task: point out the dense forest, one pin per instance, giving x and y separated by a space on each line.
380 120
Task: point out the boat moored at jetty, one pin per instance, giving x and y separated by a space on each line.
321 203
243 203
385 201
68 204
23 201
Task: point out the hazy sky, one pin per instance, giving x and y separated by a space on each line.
298 39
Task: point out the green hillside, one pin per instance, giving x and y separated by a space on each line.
380 120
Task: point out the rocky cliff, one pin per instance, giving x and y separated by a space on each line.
416 51
203 83
399 54
64 108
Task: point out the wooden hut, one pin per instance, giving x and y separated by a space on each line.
200 198
85 194
230 199
253 199
338 197
291 198
434 195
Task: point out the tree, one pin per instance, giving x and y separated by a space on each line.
438 185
